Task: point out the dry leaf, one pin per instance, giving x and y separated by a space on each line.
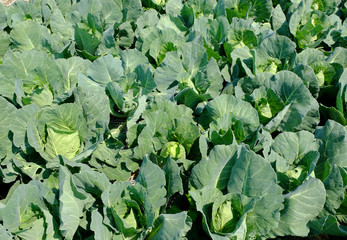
9 2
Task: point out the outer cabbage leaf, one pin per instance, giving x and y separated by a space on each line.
174 182
252 177
338 56
70 68
301 206
59 25
335 188
4 234
333 148
22 11
90 96
131 58
293 146
328 225
165 75
241 33
107 159
19 124
37 71
214 170
71 204
158 42
100 230
29 35
309 27
86 43
279 21
7 110
153 179
3 18
170 226
291 90
228 106
260 10
4 43
275 53
106 69
309 78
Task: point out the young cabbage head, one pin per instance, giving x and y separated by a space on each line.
174 150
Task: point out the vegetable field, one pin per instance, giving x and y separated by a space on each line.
170 119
